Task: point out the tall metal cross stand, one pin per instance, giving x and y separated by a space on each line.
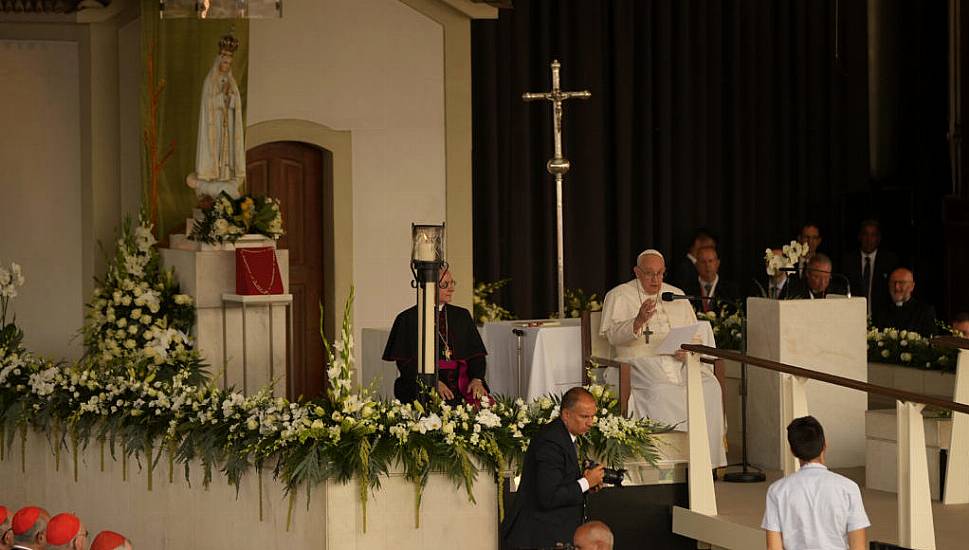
558 165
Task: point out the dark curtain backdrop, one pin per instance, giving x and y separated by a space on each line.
747 117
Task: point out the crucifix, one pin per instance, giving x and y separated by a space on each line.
558 165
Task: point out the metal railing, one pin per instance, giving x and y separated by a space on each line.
915 522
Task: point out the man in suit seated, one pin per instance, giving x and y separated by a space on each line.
810 235
868 267
905 312
708 284
816 283
550 502
685 270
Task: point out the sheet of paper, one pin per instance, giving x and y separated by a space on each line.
676 338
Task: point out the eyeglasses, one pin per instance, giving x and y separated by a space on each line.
451 284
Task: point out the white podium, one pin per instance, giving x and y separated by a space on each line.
252 354
823 335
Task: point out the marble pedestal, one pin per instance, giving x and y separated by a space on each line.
882 450
822 335
207 275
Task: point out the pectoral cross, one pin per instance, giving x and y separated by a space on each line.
558 165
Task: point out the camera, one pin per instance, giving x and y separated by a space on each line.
610 476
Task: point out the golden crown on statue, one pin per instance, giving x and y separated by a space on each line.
229 44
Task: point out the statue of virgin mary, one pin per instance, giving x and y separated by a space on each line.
220 154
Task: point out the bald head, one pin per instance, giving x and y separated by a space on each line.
901 283
593 535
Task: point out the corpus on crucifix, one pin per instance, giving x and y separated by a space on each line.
558 165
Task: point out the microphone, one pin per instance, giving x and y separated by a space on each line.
847 282
669 297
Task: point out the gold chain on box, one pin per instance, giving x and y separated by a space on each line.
252 278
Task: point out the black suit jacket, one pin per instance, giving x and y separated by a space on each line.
683 272
549 505
912 315
726 291
885 262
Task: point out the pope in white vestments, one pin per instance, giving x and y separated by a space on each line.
634 310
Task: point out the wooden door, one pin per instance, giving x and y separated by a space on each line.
293 173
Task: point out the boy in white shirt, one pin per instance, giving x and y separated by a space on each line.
813 508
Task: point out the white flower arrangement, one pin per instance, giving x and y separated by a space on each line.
791 254
350 434
909 349
10 280
137 311
227 219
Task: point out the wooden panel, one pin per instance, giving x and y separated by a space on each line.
290 192
293 173
257 177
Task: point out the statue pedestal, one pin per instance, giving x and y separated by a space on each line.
209 274
823 335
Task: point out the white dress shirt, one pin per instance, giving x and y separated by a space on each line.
814 509
583 482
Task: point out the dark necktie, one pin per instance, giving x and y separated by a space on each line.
707 287
866 277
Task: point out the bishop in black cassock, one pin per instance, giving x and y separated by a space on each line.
905 312
461 359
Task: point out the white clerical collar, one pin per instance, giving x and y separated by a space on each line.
900 304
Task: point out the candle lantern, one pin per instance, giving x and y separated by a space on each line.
427 262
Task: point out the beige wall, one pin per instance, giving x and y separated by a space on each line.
129 106
40 216
374 68
394 75
61 190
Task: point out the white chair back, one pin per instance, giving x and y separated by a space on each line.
600 344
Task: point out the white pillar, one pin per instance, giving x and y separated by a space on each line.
957 469
703 499
793 405
915 525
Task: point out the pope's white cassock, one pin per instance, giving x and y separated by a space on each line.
659 381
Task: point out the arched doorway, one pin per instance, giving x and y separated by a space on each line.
298 174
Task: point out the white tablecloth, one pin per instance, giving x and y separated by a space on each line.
551 358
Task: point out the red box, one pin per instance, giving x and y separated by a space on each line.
257 272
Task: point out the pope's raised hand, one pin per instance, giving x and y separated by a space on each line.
646 311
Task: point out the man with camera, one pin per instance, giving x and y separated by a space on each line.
551 497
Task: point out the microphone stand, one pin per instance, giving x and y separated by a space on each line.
745 475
